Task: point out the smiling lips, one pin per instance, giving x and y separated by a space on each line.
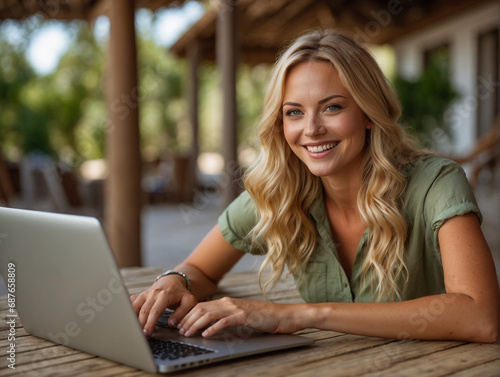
321 148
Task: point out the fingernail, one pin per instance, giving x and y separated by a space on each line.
173 322
181 331
187 333
146 332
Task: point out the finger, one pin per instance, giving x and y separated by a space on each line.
144 312
152 297
137 302
186 324
218 326
187 303
193 327
202 316
154 314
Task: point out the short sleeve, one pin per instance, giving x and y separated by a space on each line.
237 221
449 195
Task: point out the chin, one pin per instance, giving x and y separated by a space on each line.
320 172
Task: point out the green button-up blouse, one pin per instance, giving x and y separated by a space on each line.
437 190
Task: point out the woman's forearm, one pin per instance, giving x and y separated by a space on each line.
201 286
447 316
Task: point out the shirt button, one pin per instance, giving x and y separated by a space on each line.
346 285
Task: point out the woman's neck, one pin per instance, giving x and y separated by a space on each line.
342 196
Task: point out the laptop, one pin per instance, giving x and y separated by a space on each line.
68 289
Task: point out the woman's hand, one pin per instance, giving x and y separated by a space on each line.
167 292
227 312
206 265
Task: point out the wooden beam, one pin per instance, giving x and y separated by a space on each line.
123 191
226 59
6 186
194 58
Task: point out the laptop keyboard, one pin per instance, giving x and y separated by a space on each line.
173 350
163 320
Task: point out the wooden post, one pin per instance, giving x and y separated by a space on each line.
6 187
193 56
123 190
226 59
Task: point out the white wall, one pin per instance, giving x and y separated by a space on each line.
461 34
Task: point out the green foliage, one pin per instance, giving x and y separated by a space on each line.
162 108
45 112
251 86
21 123
75 87
425 100
64 114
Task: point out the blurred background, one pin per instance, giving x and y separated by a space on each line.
144 113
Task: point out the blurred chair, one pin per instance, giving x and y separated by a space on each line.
42 179
485 154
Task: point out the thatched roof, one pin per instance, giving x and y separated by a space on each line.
70 9
264 25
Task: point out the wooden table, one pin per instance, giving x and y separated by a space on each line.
332 354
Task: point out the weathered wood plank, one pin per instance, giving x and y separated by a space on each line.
333 354
491 368
365 362
447 361
285 363
24 343
93 366
42 361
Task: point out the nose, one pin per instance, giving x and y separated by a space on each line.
313 126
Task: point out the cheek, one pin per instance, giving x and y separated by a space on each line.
351 127
290 135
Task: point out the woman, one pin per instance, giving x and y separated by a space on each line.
376 233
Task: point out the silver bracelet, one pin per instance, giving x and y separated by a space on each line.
171 272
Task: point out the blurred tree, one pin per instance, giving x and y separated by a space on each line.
64 114
23 129
43 113
74 95
252 82
251 86
162 115
425 100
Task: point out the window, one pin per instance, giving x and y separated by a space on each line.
488 68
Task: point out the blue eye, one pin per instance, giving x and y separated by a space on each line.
293 113
333 108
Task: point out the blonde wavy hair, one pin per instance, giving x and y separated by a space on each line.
284 189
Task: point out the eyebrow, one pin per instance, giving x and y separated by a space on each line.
319 102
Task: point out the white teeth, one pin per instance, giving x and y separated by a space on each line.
321 148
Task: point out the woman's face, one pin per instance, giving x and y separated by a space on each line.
322 123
